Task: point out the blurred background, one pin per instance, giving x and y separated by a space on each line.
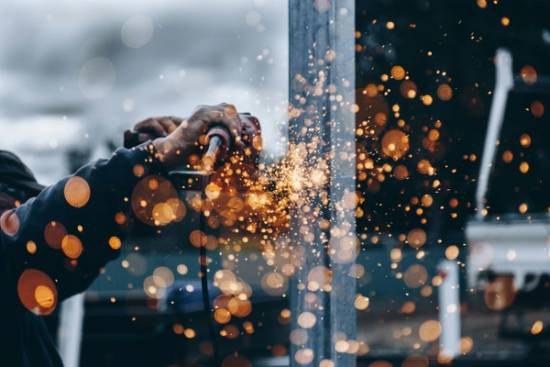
429 70
75 75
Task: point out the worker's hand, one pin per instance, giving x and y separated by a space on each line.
150 129
183 139
251 137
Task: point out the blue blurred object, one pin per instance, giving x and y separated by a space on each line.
186 296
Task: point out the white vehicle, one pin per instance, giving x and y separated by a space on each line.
509 254
511 245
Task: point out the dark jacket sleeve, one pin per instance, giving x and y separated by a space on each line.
84 210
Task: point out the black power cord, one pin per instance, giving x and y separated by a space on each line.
207 306
197 181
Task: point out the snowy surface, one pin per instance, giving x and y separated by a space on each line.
74 74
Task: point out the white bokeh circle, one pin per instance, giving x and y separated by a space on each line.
96 77
137 31
253 18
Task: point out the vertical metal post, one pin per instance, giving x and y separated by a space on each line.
322 131
504 82
71 321
449 310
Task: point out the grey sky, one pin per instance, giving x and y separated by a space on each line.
74 73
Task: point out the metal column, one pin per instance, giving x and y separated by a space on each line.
449 310
503 85
322 129
71 321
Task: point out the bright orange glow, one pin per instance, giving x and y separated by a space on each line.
222 316
71 246
44 296
115 243
395 144
77 192
31 247
54 234
397 72
9 223
37 292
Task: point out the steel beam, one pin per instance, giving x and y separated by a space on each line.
322 129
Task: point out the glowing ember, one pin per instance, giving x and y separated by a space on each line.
395 144
77 192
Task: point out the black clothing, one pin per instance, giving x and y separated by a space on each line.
17 175
24 340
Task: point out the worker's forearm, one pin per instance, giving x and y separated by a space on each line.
74 227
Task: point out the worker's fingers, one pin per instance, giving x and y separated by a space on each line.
176 120
252 133
251 125
249 119
185 135
151 126
168 124
229 109
143 137
222 114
